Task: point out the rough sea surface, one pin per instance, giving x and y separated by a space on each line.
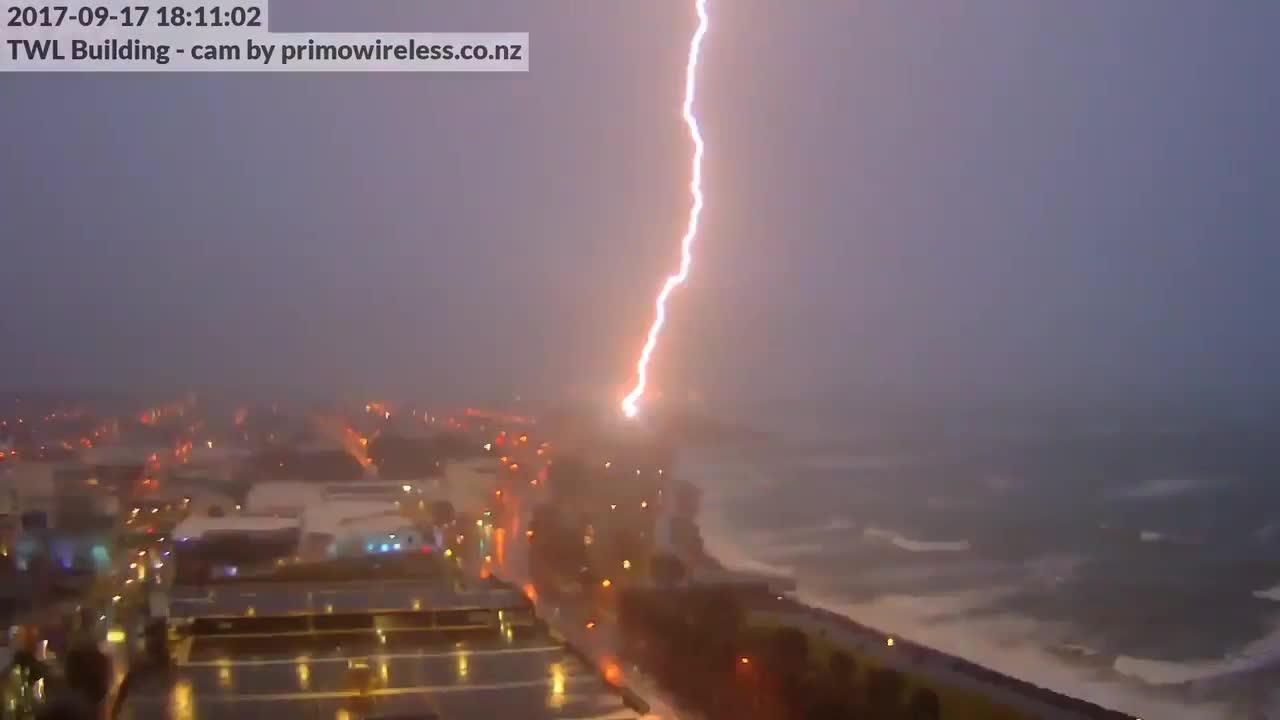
1138 570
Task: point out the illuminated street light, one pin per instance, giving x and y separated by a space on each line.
557 683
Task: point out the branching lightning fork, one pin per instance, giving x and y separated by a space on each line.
631 403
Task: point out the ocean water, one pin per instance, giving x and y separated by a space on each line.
1139 570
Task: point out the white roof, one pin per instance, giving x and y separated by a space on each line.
339 517
283 496
197 526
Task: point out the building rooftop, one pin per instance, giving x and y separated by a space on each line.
196 526
531 678
324 648
292 602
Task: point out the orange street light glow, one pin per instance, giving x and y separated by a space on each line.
631 403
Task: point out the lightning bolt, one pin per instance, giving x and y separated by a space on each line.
630 404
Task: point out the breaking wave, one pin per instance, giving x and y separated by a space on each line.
920 546
1258 654
972 625
1272 593
1167 487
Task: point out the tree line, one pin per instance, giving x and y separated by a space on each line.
697 644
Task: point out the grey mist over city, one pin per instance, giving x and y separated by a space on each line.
967 409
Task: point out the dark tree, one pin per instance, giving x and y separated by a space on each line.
667 569
442 512
788 648
884 692
400 458
839 685
787 658
925 705
831 708
556 549
842 668
719 616
567 479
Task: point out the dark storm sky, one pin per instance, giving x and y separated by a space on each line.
1040 197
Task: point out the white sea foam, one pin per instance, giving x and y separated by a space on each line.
1271 593
1001 483
1053 570
920 546
1260 653
1152 536
1166 487
834 525
1012 644
734 549
735 555
781 551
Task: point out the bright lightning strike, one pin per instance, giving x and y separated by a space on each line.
630 404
